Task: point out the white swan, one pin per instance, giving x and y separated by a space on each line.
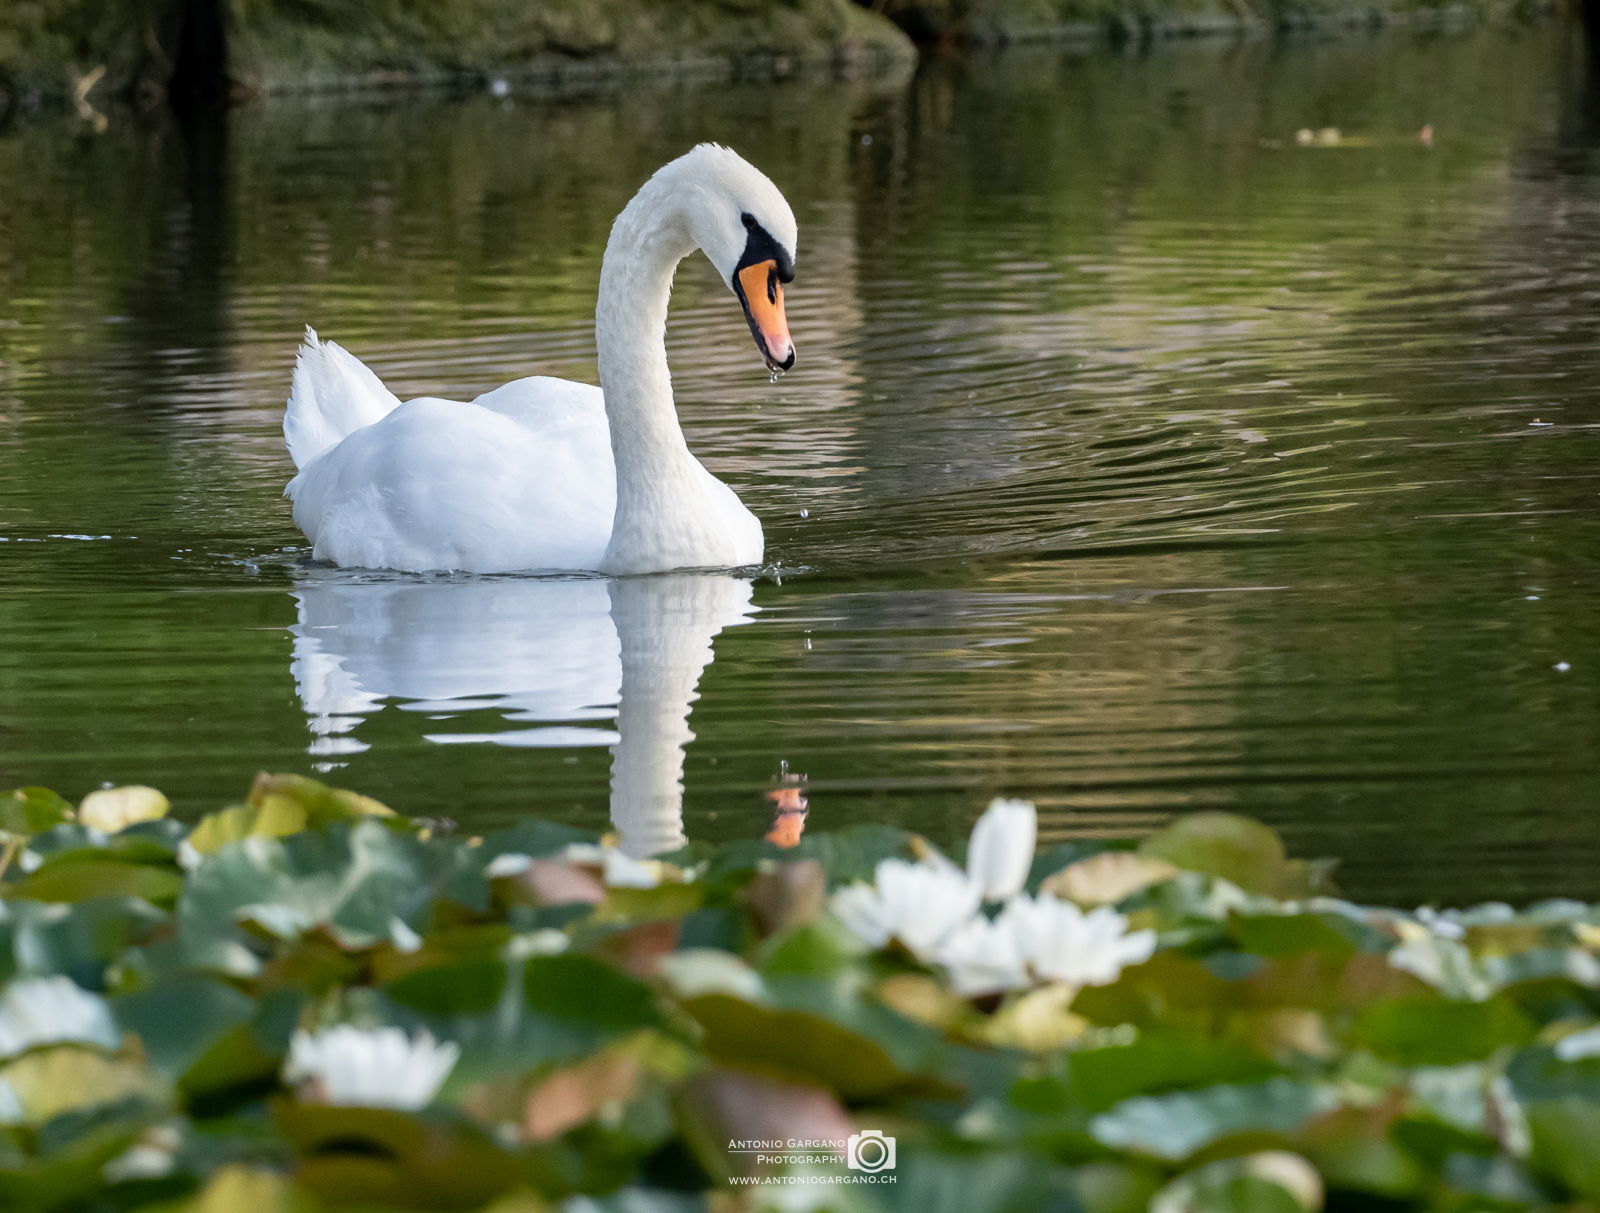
545 473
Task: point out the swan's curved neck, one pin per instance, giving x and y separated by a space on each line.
657 476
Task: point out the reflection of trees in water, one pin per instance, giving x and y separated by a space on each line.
1091 288
179 307
123 245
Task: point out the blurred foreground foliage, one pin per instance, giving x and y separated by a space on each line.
615 1024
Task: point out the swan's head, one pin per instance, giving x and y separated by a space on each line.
745 227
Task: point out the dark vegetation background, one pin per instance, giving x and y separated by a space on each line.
51 50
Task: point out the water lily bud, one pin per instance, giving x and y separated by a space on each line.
115 809
1001 851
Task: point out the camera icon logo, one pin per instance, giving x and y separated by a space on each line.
869 1150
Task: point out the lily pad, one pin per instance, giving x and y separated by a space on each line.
1243 852
28 811
1175 1126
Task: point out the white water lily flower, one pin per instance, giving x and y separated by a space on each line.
983 957
1001 851
1060 942
53 1010
370 1068
919 904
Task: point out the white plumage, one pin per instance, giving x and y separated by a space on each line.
547 474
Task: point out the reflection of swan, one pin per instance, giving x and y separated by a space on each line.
544 653
545 473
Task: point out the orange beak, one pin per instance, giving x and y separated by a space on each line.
761 293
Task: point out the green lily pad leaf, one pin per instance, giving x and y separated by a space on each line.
1492 1184
178 1020
536 839
1115 1187
1271 1182
236 1187
1561 1101
470 986
817 949
1241 851
669 900
40 939
243 1061
845 855
796 1046
1430 1031
956 1181
1356 1148
1175 1126
1578 965
1290 934
49 1082
155 842
1170 992
1455 1097
71 1152
562 1008
586 993
280 805
628 1200
483 942
378 1156
28 811
85 876
1327 982
354 880
1097 1079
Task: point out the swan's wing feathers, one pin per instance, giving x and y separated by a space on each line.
441 485
334 394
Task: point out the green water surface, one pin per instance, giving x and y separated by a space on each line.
1139 458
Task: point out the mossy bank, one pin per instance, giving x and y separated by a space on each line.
55 49
58 50
1001 22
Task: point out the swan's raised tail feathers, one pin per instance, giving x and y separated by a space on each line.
334 394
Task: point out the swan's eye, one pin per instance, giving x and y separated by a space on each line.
748 220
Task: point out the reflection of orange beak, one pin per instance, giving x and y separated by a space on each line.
762 295
786 831
789 822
